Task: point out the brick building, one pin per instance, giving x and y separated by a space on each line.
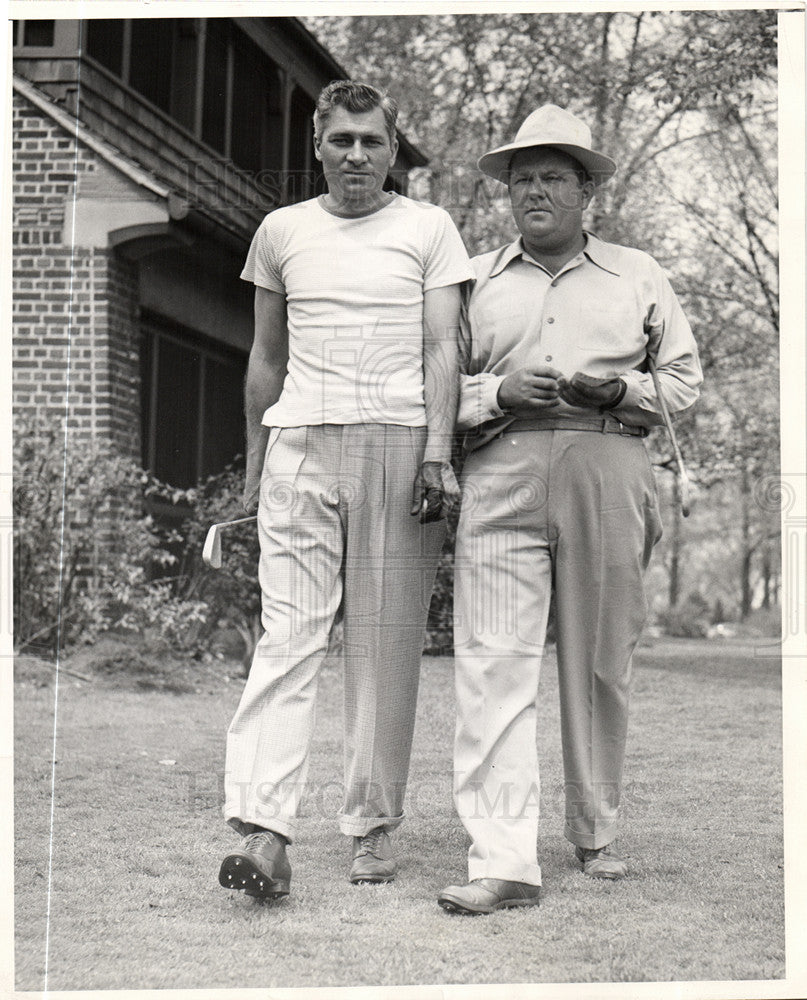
145 153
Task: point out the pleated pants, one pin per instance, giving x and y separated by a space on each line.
335 530
577 511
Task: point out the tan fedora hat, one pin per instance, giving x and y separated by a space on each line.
550 126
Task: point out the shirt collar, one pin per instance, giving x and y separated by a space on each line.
506 256
596 250
600 253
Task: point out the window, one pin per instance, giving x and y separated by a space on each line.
214 87
104 42
238 107
192 421
34 34
305 170
150 62
256 136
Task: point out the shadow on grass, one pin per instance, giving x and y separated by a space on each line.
756 663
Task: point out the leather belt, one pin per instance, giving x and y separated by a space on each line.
602 425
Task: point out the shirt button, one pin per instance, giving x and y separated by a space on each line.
548 357
551 319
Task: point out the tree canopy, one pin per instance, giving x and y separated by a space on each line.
685 102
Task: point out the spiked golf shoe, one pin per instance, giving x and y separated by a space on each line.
258 866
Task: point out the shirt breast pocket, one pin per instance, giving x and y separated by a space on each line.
608 328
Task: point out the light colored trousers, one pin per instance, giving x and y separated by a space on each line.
577 510
335 529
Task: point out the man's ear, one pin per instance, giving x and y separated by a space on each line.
317 151
588 192
394 148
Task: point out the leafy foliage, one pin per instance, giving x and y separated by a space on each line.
688 620
93 554
466 82
231 594
686 103
85 550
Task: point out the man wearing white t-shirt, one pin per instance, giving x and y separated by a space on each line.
351 397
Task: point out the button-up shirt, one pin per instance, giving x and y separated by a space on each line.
601 314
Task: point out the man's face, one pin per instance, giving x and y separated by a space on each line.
356 155
548 198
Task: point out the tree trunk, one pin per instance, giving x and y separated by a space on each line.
747 550
766 575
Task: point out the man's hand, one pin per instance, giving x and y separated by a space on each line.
529 391
436 492
592 393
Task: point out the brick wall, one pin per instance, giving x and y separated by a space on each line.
75 319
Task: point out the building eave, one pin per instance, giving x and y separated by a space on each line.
82 134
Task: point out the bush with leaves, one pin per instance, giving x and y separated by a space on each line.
89 558
231 595
84 547
439 629
690 619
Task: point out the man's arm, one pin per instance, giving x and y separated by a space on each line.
671 344
266 371
441 308
487 396
436 485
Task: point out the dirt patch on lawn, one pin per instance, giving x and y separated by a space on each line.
131 665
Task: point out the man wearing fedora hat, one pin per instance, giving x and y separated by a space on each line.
558 496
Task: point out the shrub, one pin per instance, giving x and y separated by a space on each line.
439 628
84 546
761 622
90 559
690 619
231 594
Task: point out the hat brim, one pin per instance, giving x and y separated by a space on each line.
496 163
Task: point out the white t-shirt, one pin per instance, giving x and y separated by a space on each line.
354 291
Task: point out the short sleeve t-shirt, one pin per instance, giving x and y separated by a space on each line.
354 291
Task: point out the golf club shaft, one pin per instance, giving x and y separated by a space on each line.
679 458
240 520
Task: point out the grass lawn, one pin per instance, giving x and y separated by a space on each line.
137 839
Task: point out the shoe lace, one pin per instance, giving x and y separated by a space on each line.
257 841
369 842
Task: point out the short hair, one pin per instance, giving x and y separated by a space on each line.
356 98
